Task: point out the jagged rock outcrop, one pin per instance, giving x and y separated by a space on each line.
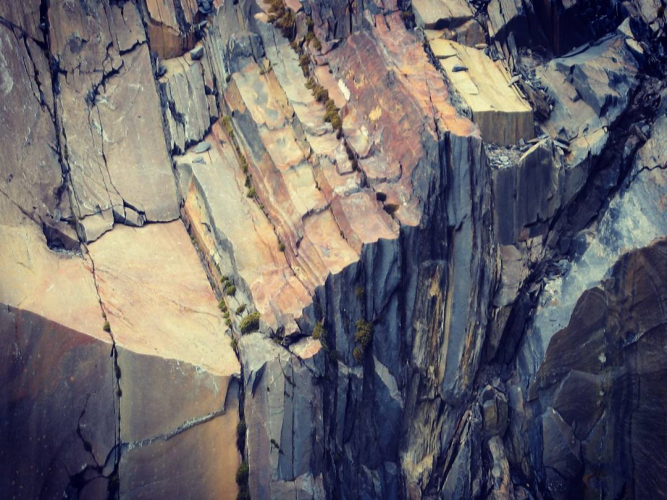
332 250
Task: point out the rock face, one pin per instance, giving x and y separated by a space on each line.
331 250
501 113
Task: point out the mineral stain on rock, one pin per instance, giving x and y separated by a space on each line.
376 250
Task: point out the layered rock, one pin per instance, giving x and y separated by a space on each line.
419 301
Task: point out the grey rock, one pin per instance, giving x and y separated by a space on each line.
202 147
197 53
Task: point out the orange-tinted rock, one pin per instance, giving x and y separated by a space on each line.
227 223
56 374
168 37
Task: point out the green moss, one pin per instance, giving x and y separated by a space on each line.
244 493
242 161
304 62
250 323
106 327
230 289
319 332
364 333
281 246
240 309
252 193
227 123
221 305
320 93
331 115
358 353
359 292
234 344
241 429
242 474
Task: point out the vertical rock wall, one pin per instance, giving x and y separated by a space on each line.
282 238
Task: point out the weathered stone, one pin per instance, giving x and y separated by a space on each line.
494 412
263 275
197 53
527 193
158 349
30 173
437 14
58 398
502 115
187 112
169 26
621 328
408 277
107 164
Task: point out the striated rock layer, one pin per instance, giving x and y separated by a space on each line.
331 250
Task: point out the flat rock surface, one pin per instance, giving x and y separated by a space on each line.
502 114
158 299
438 14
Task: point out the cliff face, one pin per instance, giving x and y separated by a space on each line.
366 250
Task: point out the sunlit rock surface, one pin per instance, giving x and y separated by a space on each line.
332 250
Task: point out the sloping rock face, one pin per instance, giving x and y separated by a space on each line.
328 250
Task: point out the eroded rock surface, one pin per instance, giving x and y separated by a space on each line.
354 250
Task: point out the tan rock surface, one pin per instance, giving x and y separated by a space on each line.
438 14
502 114
174 365
56 376
200 463
228 223
169 334
147 279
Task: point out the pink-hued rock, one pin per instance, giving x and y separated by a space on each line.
227 223
161 381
